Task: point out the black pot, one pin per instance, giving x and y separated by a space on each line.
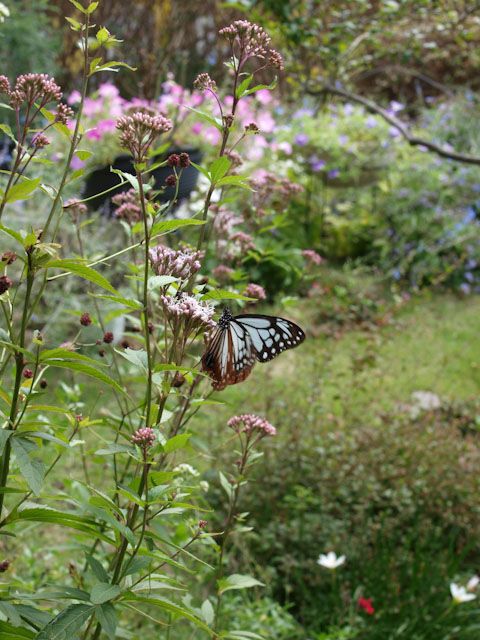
102 179
7 147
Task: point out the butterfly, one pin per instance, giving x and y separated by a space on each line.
239 341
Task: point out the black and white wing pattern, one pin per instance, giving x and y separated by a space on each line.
238 342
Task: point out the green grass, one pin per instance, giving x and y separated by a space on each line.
431 344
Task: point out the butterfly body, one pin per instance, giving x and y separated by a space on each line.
240 341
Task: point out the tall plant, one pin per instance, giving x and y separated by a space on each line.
134 518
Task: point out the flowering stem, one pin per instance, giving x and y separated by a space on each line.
5 462
76 136
146 322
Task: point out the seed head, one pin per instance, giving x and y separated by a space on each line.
184 160
173 160
9 257
108 337
203 82
171 180
85 320
5 284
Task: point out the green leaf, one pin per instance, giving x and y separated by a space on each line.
4 436
160 281
31 469
165 226
87 370
78 5
243 86
237 581
128 302
114 65
67 623
7 131
75 25
114 448
91 7
270 86
215 122
223 294
65 354
97 569
168 606
138 357
12 233
23 190
9 632
226 485
83 154
60 518
107 617
235 181
179 441
243 635
208 612
104 592
79 269
219 168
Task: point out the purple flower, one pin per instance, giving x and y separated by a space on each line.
342 139
301 140
468 275
393 132
249 423
316 163
465 288
371 122
348 109
333 173
395 107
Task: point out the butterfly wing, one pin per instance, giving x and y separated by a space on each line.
270 335
230 356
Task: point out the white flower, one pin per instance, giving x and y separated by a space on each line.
460 594
473 583
330 561
4 12
187 469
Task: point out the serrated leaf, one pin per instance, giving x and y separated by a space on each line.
79 269
164 226
237 581
31 469
219 168
138 357
9 632
87 370
23 190
107 617
67 623
223 294
4 436
179 441
226 485
97 569
104 592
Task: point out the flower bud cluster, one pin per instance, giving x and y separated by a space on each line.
139 130
195 314
128 206
249 423
182 264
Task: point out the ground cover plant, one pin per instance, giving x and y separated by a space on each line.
154 480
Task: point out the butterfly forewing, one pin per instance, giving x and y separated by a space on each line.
239 341
270 335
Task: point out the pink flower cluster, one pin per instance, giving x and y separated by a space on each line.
144 437
312 256
128 206
139 130
248 40
179 264
249 423
255 291
195 314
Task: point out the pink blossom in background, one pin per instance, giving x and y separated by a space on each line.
212 135
91 107
93 134
197 128
76 163
108 90
255 152
312 256
286 147
265 122
74 97
256 291
264 96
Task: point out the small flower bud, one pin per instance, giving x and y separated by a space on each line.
108 337
9 257
85 320
202 524
171 180
228 120
101 353
178 380
28 373
184 160
173 160
144 437
43 384
5 284
4 566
